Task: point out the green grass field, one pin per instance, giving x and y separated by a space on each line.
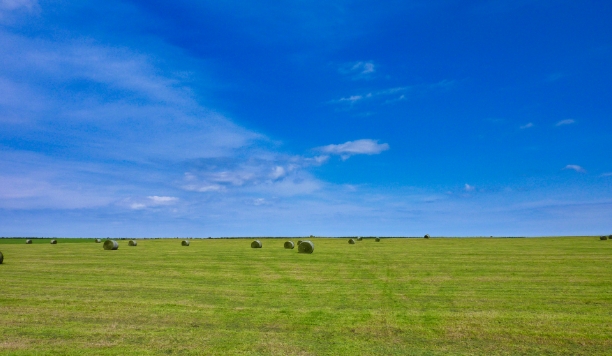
547 296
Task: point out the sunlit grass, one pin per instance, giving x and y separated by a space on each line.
398 296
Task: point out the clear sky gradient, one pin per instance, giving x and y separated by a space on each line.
287 118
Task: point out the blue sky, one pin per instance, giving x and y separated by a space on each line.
287 118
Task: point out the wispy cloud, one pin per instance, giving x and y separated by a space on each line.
363 67
259 201
9 5
565 122
395 94
396 91
607 174
134 125
575 167
350 148
352 99
359 70
162 200
526 126
282 174
12 11
124 90
150 202
469 188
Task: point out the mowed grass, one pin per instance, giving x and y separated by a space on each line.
395 297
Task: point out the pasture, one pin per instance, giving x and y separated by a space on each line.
475 296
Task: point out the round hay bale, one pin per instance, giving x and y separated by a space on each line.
359 238
185 243
1 257
256 244
377 239
306 247
603 237
132 243
98 241
28 241
53 242
299 242
351 241
426 236
289 245
110 245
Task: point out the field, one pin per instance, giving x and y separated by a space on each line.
494 296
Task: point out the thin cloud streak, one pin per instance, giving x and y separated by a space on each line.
358 70
396 93
565 122
575 167
350 148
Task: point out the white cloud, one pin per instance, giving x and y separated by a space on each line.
283 181
152 201
396 94
364 67
161 200
278 172
318 160
295 185
359 70
352 99
266 172
469 188
357 147
575 167
608 174
396 91
526 126
565 122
